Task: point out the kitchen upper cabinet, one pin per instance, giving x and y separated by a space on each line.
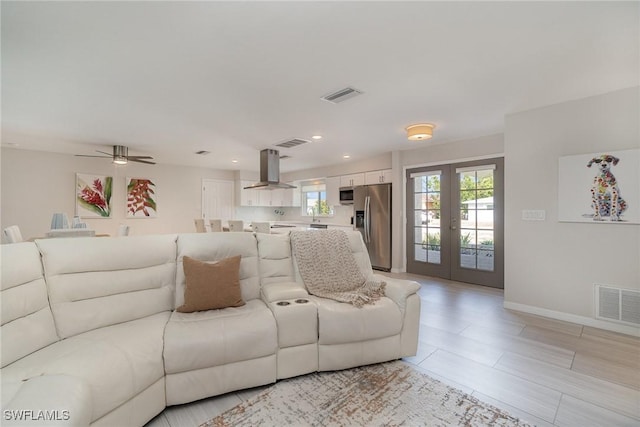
294 194
378 177
352 180
281 197
248 197
332 185
265 197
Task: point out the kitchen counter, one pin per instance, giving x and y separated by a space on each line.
306 223
285 226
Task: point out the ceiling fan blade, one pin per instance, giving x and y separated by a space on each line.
139 157
85 155
108 154
141 161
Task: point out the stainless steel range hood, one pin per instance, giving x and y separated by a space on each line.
269 172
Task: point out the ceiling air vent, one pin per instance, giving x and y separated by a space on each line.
292 143
284 157
203 152
341 95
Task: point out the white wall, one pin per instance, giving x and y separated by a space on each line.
382 161
551 267
492 145
35 184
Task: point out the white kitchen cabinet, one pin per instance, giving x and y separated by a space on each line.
332 185
284 197
295 194
378 177
352 180
281 197
247 197
264 197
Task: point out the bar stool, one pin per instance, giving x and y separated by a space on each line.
236 225
261 227
215 225
200 225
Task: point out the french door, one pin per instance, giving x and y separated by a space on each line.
455 215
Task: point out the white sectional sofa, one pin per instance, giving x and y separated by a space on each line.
90 335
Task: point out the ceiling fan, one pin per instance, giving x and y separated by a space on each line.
121 156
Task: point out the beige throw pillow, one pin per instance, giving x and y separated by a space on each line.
211 286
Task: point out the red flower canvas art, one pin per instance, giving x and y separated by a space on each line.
93 195
141 198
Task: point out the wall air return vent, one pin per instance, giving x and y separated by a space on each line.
285 157
618 305
292 143
342 95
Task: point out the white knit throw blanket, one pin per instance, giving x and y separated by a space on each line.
329 269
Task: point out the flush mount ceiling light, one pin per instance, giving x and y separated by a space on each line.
420 131
316 137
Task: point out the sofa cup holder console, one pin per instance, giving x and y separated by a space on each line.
298 301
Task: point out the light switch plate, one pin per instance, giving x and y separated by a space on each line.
533 215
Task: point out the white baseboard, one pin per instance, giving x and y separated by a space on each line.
572 318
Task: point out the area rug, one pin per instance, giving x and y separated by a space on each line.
386 394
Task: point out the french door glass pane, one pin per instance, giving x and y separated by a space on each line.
433 218
427 218
476 219
484 219
485 178
433 245
467 238
433 201
433 183
468 199
485 260
485 239
467 258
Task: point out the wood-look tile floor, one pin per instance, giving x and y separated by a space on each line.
544 371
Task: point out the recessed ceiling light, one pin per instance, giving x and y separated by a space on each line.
316 137
346 156
234 161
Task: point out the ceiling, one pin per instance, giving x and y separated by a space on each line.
171 78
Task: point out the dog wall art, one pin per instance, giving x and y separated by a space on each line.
600 187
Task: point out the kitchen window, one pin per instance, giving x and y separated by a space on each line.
314 199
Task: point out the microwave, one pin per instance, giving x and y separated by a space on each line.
346 195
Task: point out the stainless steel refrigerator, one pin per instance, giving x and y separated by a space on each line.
372 215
